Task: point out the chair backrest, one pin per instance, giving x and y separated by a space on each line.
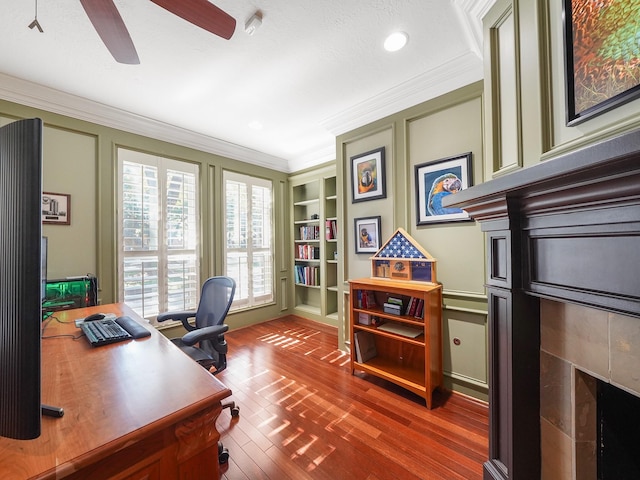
215 300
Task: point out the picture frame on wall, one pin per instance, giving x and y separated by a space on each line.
601 57
368 176
56 208
437 179
367 232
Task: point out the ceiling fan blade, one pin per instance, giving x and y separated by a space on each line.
114 34
202 14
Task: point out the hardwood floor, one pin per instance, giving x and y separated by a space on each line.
304 416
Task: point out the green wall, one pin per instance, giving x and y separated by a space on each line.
80 160
524 73
443 127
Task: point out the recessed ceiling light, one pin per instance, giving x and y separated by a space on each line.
395 41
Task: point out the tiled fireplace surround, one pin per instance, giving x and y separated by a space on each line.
563 243
578 345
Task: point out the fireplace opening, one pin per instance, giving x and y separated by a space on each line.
618 433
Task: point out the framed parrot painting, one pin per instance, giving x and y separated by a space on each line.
437 179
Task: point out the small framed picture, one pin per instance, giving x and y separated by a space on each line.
436 180
367 234
56 208
368 176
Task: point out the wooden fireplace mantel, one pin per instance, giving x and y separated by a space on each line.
567 229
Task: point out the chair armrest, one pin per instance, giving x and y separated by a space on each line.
206 333
183 317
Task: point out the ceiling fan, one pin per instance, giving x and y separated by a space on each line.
114 34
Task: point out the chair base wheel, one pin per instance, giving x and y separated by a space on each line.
223 454
235 411
223 457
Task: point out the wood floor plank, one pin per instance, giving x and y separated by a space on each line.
303 415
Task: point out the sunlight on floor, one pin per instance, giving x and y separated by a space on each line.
291 339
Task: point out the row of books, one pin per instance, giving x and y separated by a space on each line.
308 252
330 230
366 299
415 307
307 275
310 232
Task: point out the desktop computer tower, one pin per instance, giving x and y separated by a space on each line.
71 292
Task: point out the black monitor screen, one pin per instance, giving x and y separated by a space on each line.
43 268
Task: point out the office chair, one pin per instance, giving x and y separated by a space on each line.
204 341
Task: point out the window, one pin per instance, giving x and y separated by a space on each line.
249 243
158 234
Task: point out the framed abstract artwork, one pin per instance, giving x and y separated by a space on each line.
436 180
602 56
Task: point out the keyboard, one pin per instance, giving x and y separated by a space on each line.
104 332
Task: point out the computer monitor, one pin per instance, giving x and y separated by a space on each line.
20 278
44 247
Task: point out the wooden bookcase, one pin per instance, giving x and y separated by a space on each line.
412 363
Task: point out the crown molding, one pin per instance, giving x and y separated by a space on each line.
44 98
471 14
317 157
456 73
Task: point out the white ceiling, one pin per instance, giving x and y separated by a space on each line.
313 70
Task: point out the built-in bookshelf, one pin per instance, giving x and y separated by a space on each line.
402 319
330 247
315 233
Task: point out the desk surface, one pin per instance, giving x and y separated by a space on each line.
112 396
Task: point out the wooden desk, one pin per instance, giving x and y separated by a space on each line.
133 410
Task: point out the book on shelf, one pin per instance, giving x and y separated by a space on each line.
411 306
311 232
419 309
365 343
415 307
364 318
308 252
330 230
307 275
392 308
366 299
395 301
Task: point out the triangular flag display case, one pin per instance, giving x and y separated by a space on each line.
402 258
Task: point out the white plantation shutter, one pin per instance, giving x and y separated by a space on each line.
249 238
261 220
183 285
159 234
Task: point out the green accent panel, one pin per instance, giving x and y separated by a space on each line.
464 345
